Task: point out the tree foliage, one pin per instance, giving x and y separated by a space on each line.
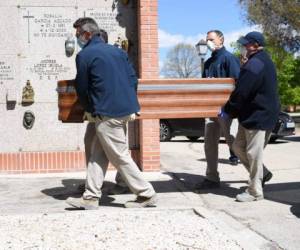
182 61
280 20
288 72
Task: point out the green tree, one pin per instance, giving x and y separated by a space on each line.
182 61
279 20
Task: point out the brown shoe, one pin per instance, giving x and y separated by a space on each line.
142 202
84 203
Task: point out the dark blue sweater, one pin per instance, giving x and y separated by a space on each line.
255 100
105 82
221 64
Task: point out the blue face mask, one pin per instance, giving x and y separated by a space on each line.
81 43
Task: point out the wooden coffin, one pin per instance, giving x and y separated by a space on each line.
69 108
160 98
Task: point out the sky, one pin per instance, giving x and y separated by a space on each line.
189 20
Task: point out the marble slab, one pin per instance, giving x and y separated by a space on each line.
10 36
34 50
45 29
44 71
9 77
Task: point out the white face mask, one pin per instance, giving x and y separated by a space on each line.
81 41
210 45
243 51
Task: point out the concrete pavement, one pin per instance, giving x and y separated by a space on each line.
34 215
277 218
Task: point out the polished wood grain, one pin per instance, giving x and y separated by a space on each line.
160 98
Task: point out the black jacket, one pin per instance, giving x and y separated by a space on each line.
221 64
105 82
255 100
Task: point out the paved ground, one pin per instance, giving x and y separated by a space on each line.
277 218
34 215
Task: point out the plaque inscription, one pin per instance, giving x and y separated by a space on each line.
6 72
45 29
49 69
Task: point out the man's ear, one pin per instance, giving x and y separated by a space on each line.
256 45
87 35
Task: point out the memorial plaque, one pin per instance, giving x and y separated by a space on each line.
9 77
119 20
8 70
45 29
32 48
44 71
107 20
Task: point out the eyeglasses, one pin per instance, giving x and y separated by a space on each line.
79 33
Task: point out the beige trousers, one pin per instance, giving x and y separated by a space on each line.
213 129
110 145
90 133
248 146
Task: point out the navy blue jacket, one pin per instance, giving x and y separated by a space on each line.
105 82
255 100
221 64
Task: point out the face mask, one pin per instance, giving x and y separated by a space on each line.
211 46
243 51
81 42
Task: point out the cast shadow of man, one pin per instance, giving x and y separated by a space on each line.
190 180
286 193
70 188
220 160
291 138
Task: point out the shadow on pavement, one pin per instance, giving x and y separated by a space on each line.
291 138
295 209
222 141
184 141
286 193
278 141
191 180
70 188
220 160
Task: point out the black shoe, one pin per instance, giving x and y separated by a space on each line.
206 184
266 178
233 160
81 188
118 189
